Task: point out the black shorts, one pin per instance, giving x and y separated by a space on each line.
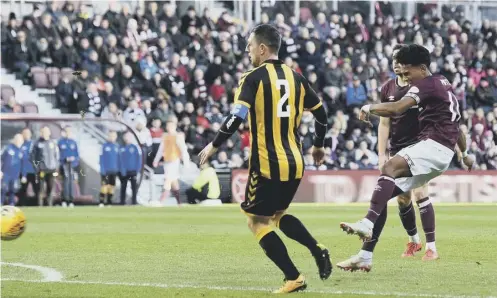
265 196
109 179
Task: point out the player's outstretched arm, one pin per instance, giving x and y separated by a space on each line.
228 128
390 109
159 154
383 134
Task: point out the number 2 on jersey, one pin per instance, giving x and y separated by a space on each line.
454 107
284 98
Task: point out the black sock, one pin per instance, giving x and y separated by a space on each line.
294 229
109 198
408 218
275 249
102 198
378 227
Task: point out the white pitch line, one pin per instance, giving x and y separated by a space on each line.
227 288
49 274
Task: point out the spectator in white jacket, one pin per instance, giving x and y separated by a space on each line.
132 114
144 137
112 112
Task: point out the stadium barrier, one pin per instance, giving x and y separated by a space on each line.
454 186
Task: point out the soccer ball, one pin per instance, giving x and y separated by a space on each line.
13 222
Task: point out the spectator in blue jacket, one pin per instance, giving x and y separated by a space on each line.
148 63
356 93
28 174
69 160
130 161
11 169
109 168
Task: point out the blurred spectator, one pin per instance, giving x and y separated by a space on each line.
221 162
356 93
133 113
11 106
23 55
485 96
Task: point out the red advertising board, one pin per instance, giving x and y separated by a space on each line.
357 186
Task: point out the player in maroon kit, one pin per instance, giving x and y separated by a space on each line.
439 133
403 131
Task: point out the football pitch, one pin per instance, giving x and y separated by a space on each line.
209 252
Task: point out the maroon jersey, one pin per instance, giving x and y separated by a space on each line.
439 110
404 129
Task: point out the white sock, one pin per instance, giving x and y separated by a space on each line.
415 239
368 223
368 255
431 245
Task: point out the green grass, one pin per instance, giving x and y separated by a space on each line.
209 252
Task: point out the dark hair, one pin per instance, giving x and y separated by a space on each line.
414 55
268 35
399 46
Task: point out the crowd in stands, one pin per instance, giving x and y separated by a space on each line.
146 65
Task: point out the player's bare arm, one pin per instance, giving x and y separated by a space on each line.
389 109
383 135
158 155
461 144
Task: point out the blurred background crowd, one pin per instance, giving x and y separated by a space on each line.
146 65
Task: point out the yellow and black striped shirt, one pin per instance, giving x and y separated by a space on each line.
276 97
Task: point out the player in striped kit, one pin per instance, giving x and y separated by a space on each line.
172 149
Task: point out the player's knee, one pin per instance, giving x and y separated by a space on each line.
256 222
277 217
404 199
387 169
420 193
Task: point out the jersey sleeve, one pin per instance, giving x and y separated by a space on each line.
311 99
420 91
384 93
247 89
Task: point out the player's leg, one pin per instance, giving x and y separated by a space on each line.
259 206
294 229
175 190
11 192
363 261
65 183
35 183
174 169
22 194
134 189
385 189
49 180
111 185
103 189
70 183
166 189
124 185
5 187
408 218
427 214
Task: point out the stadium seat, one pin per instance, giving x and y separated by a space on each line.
66 71
54 75
30 108
39 77
7 91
